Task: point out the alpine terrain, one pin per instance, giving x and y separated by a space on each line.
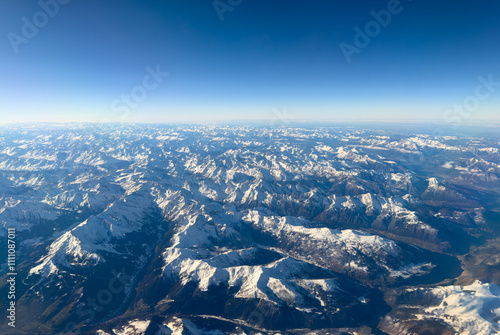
248 229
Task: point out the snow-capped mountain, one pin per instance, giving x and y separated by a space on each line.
150 229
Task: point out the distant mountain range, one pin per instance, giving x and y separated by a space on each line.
152 229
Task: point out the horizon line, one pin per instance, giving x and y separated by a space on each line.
271 122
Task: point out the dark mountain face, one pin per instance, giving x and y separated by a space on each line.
241 230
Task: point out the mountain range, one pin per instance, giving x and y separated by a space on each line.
248 229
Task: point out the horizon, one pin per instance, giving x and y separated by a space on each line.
271 122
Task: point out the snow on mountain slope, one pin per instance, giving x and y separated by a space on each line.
470 310
81 245
134 327
64 248
22 215
435 191
172 326
284 220
266 281
338 250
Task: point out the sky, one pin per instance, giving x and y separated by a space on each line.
204 60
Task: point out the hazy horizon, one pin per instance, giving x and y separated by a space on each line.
274 122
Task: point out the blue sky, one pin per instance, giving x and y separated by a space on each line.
263 57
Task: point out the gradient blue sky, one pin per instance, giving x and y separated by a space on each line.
264 56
